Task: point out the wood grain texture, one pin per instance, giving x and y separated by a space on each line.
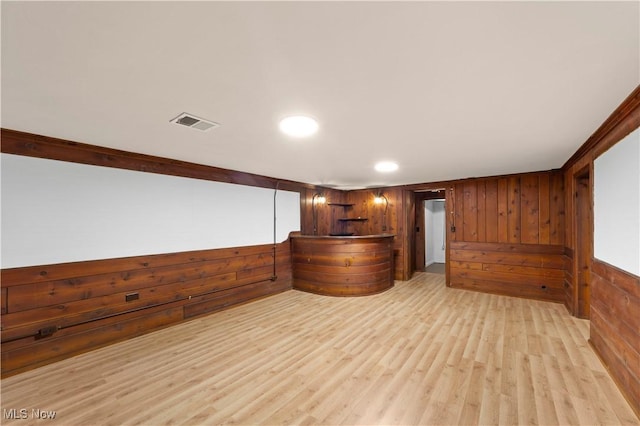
503 211
481 206
86 306
470 211
530 205
418 354
544 213
557 209
458 202
615 325
491 215
521 270
517 209
583 248
514 218
342 266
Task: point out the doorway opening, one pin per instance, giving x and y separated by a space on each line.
435 236
430 236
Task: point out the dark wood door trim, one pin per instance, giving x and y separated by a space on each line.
583 241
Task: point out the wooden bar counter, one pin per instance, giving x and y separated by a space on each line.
342 265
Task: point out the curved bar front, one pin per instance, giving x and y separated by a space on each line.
342 266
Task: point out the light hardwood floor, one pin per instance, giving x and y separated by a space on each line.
420 353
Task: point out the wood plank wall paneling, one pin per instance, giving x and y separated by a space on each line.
513 212
531 271
519 209
529 218
516 210
469 211
3 300
527 209
544 214
557 209
615 325
491 216
326 214
481 206
510 240
503 211
85 303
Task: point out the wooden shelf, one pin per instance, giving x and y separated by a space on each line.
340 225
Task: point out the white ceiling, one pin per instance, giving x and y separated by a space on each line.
446 89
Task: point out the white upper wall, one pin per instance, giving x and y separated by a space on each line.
617 205
56 212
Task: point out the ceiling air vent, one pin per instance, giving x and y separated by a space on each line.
194 122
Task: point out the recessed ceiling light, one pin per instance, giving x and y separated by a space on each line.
299 126
386 166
